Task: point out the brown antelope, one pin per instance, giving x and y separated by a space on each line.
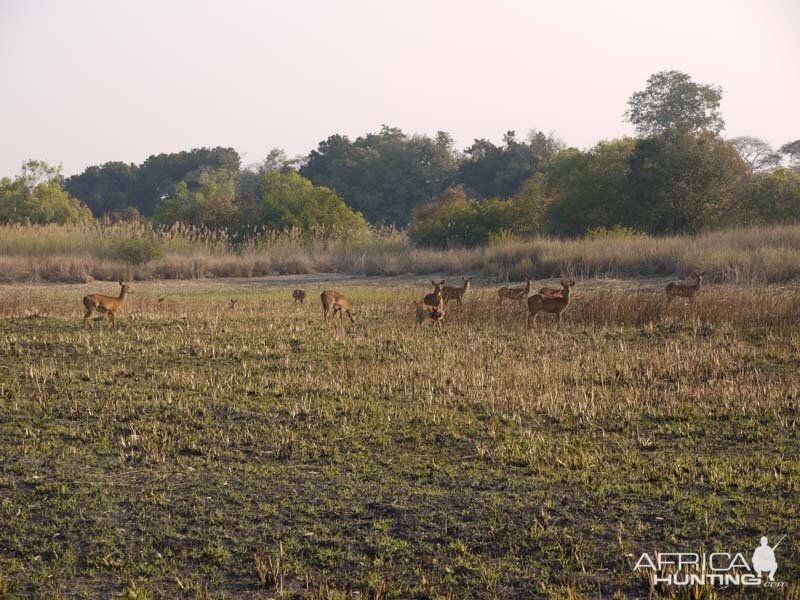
95 303
548 292
551 304
433 298
299 296
334 302
513 294
456 293
232 305
684 290
434 313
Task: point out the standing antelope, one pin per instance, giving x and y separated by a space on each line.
549 304
518 293
334 302
299 296
684 290
426 311
105 304
548 292
456 293
433 298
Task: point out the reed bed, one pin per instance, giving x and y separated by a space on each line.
86 252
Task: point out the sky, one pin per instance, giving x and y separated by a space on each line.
87 82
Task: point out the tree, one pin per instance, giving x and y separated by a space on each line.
206 200
682 182
384 175
455 220
792 150
36 196
757 153
490 171
117 185
775 197
590 189
672 100
290 200
105 188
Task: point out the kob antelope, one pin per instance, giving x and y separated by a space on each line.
110 305
514 294
334 302
433 298
684 290
426 311
456 293
549 304
299 296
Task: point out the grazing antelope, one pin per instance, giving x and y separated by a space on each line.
299 296
684 290
552 304
426 311
456 293
518 293
548 292
433 298
95 303
334 302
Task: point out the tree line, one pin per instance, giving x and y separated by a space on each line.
678 174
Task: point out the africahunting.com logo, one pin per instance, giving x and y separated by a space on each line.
715 568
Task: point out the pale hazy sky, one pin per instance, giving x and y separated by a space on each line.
85 82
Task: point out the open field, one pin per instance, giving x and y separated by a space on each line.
82 253
258 452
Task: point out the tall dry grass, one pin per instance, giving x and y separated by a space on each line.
75 253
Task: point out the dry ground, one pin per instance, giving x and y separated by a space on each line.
259 452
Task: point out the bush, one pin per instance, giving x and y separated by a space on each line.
137 251
616 232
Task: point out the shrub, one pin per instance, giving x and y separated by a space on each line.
137 251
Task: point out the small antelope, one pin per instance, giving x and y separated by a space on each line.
456 293
549 292
299 296
684 290
433 298
95 303
232 305
434 313
518 293
334 302
549 304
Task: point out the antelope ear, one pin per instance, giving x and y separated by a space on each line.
122 284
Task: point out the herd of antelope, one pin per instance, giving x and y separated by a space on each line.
431 308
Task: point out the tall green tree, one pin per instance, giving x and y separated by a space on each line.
682 182
290 200
207 200
672 101
37 196
490 171
384 175
774 197
590 189
114 185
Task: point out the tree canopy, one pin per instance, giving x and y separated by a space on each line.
36 196
672 101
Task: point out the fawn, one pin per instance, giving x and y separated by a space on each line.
95 303
518 293
456 293
299 296
549 304
684 290
334 302
426 311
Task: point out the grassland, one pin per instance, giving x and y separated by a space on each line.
101 251
259 452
